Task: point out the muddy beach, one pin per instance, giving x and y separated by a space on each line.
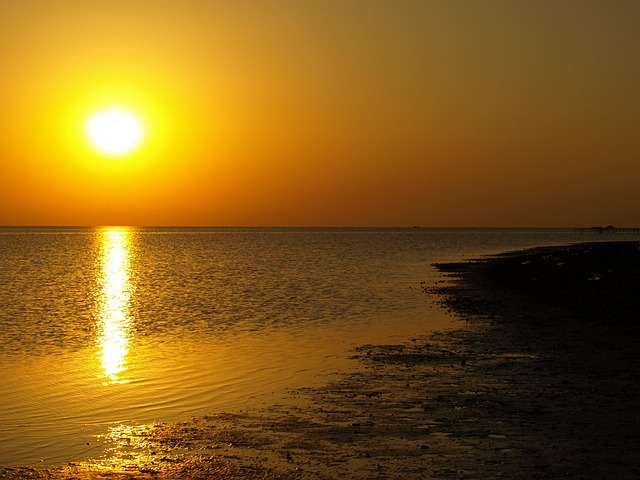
540 381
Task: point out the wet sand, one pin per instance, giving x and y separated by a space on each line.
541 380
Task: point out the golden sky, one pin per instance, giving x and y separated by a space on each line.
327 113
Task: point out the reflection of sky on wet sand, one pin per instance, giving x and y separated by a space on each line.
114 321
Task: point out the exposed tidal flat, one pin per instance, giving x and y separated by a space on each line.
535 383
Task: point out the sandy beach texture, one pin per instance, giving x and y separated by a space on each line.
540 381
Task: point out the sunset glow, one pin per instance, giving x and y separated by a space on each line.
273 239
114 131
417 113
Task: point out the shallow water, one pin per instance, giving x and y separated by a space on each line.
124 326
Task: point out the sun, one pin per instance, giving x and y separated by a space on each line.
114 131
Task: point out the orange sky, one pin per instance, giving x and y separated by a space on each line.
328 113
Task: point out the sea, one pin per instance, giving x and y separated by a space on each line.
104 328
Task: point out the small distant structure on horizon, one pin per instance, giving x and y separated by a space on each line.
610 229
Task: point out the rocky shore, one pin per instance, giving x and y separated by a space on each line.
542 381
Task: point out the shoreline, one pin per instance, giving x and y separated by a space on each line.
571 313
534 384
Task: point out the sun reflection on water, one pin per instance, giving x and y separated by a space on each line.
114 321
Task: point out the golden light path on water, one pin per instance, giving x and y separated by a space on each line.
115 323
122 442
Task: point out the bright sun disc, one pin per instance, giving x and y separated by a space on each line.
114 131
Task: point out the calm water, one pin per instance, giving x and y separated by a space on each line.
121 326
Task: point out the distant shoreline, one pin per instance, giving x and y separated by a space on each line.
598 281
